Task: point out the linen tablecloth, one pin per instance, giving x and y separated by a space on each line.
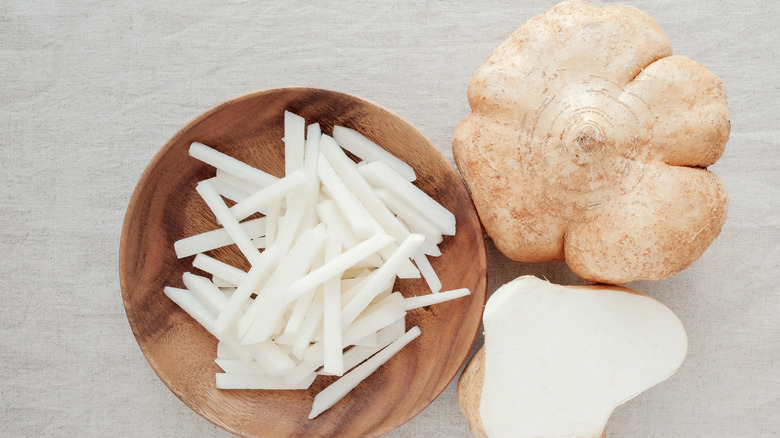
90 90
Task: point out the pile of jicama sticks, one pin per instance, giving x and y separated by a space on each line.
331 238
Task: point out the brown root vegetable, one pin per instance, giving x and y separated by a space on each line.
557 360
588 142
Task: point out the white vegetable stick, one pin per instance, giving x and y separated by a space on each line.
266 311
223 284
354 212
336 266
384 294
272 221
228 190
369 151
286 349
198 311
258 381
311 153
413 218
380 175
380 316
251 281
357 354
310 324
259 242
331 337
206 291
353 289
431 299
223 352
294 128
431 249
230 165
240 366
299 312
380 278
276 361
289 227
377 317
218 268
227 290
237 182
360 221
218 238
427 271
302 310
260 200
228 221
348 282
367 341
331 216
305 368
347 170
338 389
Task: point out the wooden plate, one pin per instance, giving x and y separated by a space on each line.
165 207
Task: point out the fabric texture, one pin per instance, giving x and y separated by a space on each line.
90 90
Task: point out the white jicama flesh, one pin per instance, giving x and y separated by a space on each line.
558 359
325 254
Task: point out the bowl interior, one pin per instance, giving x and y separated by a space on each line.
165 207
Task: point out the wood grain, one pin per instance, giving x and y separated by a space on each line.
165 207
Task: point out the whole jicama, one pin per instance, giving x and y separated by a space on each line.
588 142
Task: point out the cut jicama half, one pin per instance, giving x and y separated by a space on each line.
557 360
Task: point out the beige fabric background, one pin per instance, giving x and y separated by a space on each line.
90 90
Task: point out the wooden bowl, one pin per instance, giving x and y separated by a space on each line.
165 207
